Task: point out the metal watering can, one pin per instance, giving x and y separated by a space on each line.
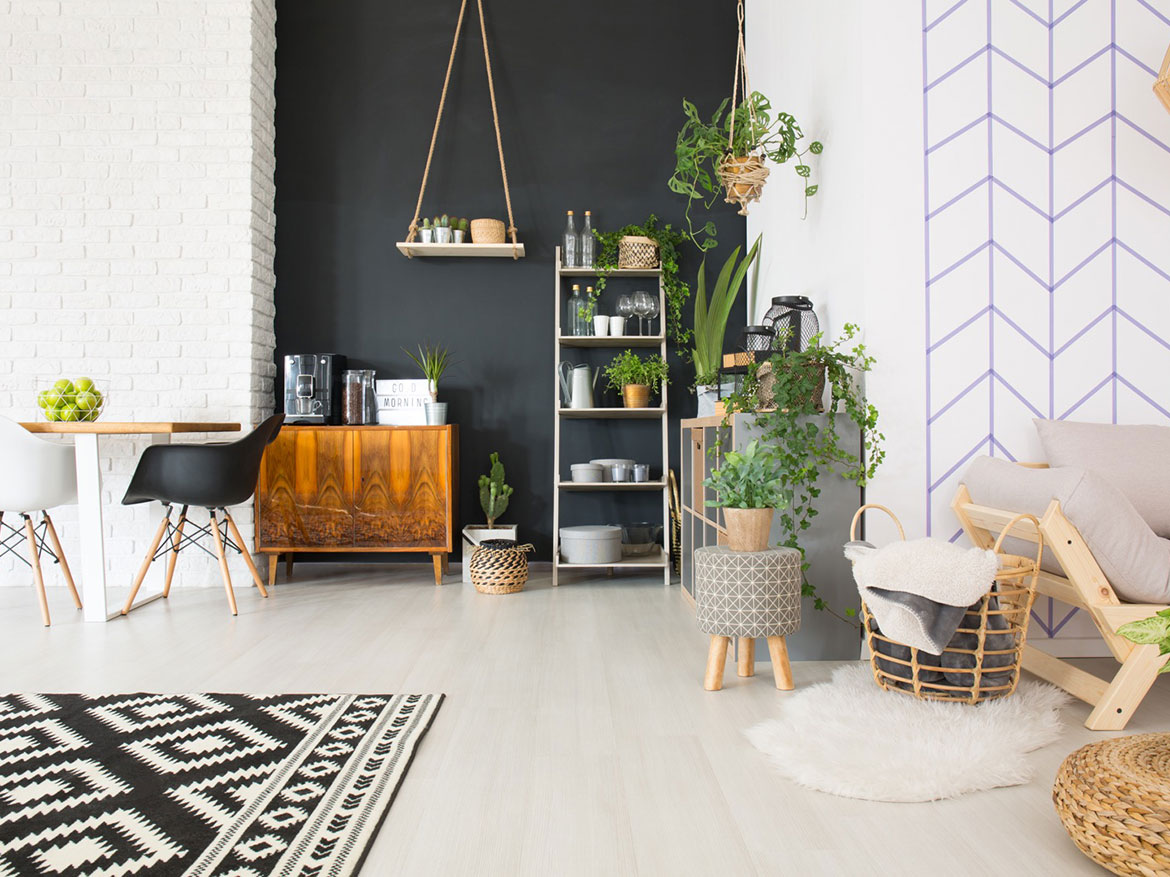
577 384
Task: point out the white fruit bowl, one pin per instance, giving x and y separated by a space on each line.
64 402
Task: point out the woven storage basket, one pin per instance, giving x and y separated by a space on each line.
983 659
499 566
766 381
637 252
1113 797
487 231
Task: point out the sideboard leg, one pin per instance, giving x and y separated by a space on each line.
716 658
446 564
438 561
781 669
273 563
288 562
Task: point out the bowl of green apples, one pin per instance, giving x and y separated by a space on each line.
76 401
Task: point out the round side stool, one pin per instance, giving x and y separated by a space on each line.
1114 800
746 594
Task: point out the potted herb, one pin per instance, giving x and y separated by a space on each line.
727 156
432 362
668 240
749 490
426 232
443 229
494 494
636 377
711 323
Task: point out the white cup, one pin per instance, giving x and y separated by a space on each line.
617 326
600 326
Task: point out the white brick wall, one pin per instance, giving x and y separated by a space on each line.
137 225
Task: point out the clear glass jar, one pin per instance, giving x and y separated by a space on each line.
369 400
353 397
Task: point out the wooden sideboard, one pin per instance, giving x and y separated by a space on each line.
359 489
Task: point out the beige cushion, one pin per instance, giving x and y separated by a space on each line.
1133 558
1133 458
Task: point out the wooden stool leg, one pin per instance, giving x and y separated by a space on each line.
747 656
35 558
716 658
235 531
173 559
438 562
65 571
223 567
154 543
781 669
273 563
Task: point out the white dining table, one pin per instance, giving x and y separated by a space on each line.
88 452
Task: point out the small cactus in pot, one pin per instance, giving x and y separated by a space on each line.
443 229
426 232
459 230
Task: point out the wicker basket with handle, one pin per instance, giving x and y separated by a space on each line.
635 251
984 658
499 566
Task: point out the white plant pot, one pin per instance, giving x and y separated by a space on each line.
426 235
708 395
473 535
442 235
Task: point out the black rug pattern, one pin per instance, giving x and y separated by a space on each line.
200 784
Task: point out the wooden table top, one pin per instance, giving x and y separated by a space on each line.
112 427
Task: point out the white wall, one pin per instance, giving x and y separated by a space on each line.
136 222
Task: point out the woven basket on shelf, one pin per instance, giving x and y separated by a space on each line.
487 231
499 566
635 251
984 658
1113 797
766 382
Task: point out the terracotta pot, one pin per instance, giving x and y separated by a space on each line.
748 529
732 166
636 395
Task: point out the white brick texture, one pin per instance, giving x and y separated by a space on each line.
137 227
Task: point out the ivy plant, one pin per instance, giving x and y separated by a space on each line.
1154 631
805 446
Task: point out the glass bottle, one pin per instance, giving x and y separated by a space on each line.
575 322
587 241
369 399
571 252
353 397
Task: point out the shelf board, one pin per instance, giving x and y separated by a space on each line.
648 561
588 486
496 251
610 340
617 272
610 413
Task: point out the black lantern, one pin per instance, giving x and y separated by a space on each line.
756 340
792 321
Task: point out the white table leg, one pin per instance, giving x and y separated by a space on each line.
89 504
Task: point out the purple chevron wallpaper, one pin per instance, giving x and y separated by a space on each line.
1047 204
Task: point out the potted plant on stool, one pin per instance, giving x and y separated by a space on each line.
636 377
749 492
432 361
493 498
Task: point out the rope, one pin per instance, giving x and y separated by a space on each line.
743 180
740 72
487 60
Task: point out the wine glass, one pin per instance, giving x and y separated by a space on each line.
651 308
625 308
643 305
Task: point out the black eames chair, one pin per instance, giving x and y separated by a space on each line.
213 477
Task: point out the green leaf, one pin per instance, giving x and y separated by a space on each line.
1165 668
1148 631
809 191
816 147
803 170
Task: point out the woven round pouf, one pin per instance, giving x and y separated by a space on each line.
1114 800
499 566
747 594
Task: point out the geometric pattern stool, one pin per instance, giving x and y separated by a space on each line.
746 594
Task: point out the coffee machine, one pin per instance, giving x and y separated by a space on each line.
312 388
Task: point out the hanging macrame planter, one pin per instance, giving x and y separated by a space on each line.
410 248
1162 86
742 176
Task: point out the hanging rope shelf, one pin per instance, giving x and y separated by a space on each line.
410 247
1162 86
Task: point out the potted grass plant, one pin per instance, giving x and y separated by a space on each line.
711 323
636 378
432 362
749 490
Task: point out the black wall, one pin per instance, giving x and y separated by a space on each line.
589 98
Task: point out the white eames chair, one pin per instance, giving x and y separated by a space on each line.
39 475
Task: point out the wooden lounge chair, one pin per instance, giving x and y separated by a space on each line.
1083 585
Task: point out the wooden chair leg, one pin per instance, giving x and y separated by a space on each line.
235 531
174 556
438 561
781 669
65 571
1124 694
223 566
35 560
716 659
747 656
146 562
273 563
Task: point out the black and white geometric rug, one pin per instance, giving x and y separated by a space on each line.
200 784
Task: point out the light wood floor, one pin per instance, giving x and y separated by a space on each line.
576 737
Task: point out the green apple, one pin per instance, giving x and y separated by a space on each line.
54 399
83 385
68 415
51 414
64 387
90 416
86 401
42 399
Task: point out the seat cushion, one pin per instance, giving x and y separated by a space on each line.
1133 458
1134 559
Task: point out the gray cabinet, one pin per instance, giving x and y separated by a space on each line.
821 636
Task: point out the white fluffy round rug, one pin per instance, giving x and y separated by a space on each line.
848 737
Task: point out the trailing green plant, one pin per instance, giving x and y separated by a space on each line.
629 368
493 492
702 146
668 239
747 479
806 446
432 361
1152 631
586 310
711 317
